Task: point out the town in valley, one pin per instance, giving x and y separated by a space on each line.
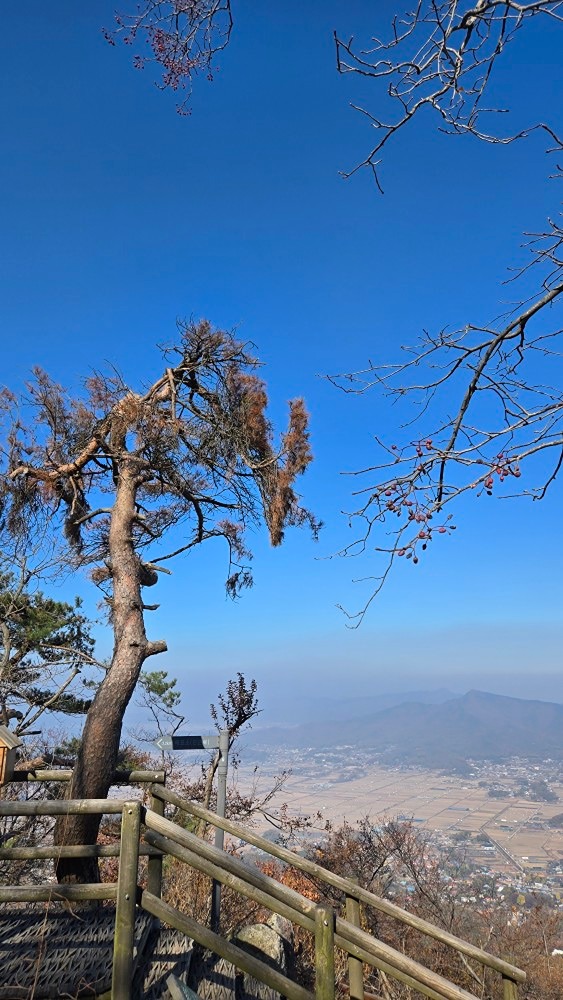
504 821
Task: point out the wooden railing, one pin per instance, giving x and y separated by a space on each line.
511 976
146 831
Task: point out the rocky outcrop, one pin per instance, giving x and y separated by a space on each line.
213 978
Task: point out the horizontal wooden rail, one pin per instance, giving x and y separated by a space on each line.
351 939
52 891
120 777
74 851
265 899
220 946
165 837
62 807
234 882
344 885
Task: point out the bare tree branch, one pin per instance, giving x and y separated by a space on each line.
439 56
506 424
184 38
116 470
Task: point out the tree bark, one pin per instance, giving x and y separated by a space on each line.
97 757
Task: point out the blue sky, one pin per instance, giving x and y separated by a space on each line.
120 215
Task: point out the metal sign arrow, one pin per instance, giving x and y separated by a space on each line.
163 743
221 743
187 743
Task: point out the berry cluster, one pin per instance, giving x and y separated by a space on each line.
502 467
400 498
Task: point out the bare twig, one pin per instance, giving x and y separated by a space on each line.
184 38
439 56
503 419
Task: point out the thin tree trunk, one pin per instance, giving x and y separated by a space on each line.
97 757
201 825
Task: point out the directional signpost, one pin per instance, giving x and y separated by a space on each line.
220 743
188 742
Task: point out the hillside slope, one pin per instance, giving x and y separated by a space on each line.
476 725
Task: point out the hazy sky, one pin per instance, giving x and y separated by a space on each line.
119 216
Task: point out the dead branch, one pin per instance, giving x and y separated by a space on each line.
439 56
184 38
506 424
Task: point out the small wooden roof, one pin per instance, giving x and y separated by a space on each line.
9 739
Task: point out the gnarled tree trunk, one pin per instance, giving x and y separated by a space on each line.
195 449
96 761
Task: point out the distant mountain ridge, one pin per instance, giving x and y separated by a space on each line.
319 712
331 709
476 725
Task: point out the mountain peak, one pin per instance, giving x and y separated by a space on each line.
478 725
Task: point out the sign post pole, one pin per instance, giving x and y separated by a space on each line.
221 811
220 743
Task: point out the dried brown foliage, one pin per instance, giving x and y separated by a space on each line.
199 436
114 471
380 855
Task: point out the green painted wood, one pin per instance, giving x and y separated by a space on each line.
364 896
232 881
119 777
73 851
441 989
284 909
62 807
154 867
178 990
122 978
351 939
220 946
228 863
166 836
52 891
355 967
374 952
509 989
324 953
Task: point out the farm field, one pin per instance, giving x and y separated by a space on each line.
443 804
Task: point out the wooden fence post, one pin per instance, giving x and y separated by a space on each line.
324 953
154 866
355 966
509 989
122 977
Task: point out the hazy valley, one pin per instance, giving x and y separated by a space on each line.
481 774
432 729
